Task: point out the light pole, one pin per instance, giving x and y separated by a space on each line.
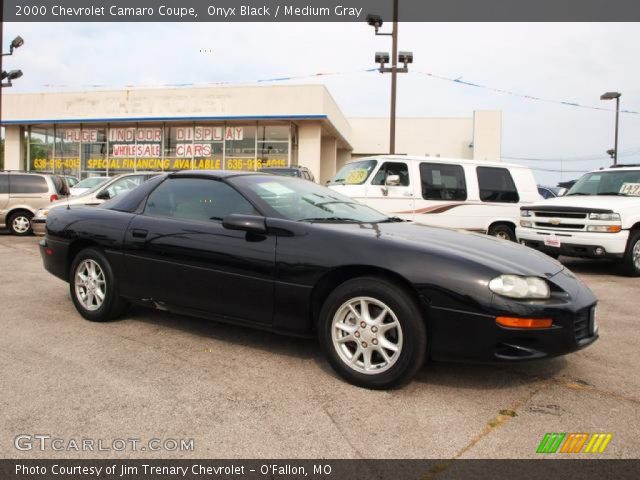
616 96
382 58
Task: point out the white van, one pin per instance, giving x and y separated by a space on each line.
472 195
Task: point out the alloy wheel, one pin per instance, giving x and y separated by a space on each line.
636 255
90 285
367 335
21 224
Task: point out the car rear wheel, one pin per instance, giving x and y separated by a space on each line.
20 223
93 287
502 231
631 260
373 333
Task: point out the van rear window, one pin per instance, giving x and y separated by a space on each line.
496 185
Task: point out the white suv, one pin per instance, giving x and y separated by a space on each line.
598 218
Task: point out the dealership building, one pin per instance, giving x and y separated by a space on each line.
239 128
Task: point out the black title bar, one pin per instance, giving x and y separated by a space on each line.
319 10
152 469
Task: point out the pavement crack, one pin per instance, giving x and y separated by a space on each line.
504 415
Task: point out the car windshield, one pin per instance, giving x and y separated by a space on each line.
287 172
355 173
622 182
300 200
91 182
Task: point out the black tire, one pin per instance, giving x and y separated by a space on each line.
20 218
411 355
628 263
112 305
503 231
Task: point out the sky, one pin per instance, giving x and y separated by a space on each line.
572 62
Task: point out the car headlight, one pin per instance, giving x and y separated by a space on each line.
516 286
42 213
526 223
526 213
607 217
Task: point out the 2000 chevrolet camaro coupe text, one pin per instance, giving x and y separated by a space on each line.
287 255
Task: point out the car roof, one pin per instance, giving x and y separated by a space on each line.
618 168
459 161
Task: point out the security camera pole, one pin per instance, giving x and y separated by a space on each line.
383 58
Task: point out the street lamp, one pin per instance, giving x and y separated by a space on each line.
612 96
382 58
11 75
15 43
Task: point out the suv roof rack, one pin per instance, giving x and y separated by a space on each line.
623 165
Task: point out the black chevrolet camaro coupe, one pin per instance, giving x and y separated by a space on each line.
294 257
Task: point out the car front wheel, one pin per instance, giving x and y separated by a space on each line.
93 287
504 232
373 333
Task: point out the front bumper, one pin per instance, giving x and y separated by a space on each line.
39 226
576 244
471 336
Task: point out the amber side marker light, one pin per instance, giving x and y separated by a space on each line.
513 322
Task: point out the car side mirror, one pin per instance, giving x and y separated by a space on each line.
245 223
392 180
103 195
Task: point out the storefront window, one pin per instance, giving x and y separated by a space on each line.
240 147
273 146
41 144
89 150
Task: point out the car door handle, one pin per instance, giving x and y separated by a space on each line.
139 233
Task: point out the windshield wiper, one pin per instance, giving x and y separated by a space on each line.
613 193
576 193
393 219
329 219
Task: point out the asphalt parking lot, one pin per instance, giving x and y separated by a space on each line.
241 393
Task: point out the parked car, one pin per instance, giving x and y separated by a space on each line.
297 258
23 193
87 184
295 171
598 218
551 192
114 187
479 196
71 180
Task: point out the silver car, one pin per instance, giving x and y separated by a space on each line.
112 188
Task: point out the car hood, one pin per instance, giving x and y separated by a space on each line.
597 202
82 199
499 255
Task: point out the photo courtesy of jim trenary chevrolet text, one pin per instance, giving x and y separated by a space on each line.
319 239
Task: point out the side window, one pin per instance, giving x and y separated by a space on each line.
441 181
196 199
392 168
496 185
4 183
28 184
124 184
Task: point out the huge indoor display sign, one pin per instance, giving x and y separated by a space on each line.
153 148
